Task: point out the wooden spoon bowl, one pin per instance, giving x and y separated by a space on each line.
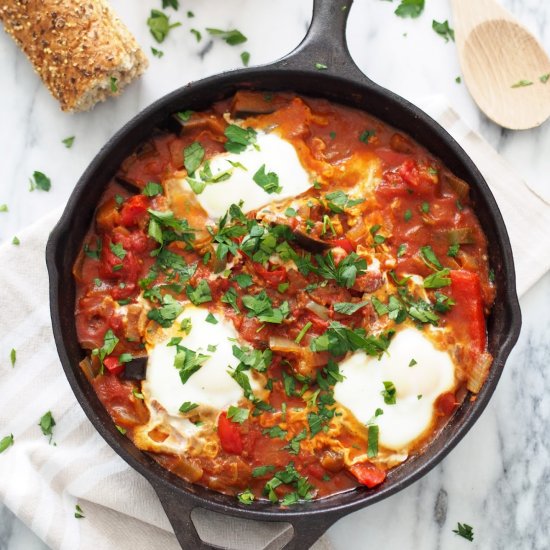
503 64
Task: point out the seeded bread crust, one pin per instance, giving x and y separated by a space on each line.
76 47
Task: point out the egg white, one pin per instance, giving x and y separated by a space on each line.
417 387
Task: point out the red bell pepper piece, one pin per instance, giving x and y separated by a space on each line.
368 474
113 365
343 242
272 278
230 435
133 210
466 289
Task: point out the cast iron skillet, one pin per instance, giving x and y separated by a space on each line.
342 82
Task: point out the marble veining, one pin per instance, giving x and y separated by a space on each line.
497 479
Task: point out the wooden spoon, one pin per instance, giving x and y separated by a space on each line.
504 66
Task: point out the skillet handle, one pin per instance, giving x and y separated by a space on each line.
324 47
306 529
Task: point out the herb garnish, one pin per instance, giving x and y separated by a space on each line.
6 442
389 392
167 313
232 37
245 58
268 181
246 497
410 8
109 343
321 66
157 53
464 530
522 84
152 189
40 181
444 30
238 139
13 357
187 361
46 424
196 34
113 84
78 514
159 25
68 142
237 414
338 201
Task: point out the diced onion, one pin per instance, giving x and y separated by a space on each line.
319 310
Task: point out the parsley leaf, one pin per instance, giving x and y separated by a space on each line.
522 84
444 30
348 308
338 201
237 414
118 250
13 357
389 393
261 471
152 189
232 37
200 294
6 442
159 25
40 181
167 313
79 513
268 181
438 279
464 530
245 58
430 258
187 407
410 8
193 155
246 496
68 142
238 139
188 361
372 440
46 424
345 272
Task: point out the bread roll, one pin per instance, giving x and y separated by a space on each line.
80 49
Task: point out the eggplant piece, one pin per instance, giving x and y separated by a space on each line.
247 103
311 244
136 368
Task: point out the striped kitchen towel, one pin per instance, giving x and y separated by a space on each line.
42 481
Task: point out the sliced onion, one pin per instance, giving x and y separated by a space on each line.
319 310
479 372
90 368
284 345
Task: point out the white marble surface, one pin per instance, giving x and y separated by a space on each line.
497 477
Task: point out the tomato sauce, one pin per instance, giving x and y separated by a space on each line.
415 220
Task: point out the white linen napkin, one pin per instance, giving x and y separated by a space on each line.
43 482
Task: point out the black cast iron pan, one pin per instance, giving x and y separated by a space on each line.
341 82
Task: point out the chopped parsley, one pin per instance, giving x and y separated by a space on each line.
261 307
243 280
171 4
157 53
40 181
366 135
338 201
159 25
15 241
238 139
268 181
407 215
410 8
372 440
430 258
321 66
401 249
389 393
196 34
294 443
79 513
187 361
6 442
68 142
464 530
232 37
237 414
261 471
109 344
289 476
348 308
444 30
187 407
193 156
167 313
13 357
118 250
438 279
3 208
412 363
47 424
210 318
345 272
522 83
200 294
245 58
303 332
246 497
544 78
152 189
453 250
113 84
